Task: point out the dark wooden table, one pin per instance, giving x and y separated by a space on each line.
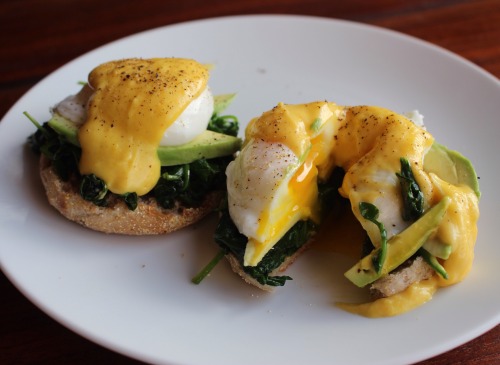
38 36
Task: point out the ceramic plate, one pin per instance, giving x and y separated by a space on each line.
133 294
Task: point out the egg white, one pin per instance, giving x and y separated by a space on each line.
74 107
192 121
257 180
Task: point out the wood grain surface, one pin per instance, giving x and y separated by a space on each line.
37 37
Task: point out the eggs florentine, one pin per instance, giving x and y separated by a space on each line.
132 106
273 183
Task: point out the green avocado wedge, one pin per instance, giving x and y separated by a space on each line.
451 166
437 248
399 247
207 145
222 101
65 128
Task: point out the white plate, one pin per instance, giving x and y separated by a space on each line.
133 294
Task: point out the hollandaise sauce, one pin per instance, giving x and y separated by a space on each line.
412 297
134 102
306 131
368 144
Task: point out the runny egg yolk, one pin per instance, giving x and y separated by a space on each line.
301 136
134 102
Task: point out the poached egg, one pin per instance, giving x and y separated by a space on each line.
273 182
129 108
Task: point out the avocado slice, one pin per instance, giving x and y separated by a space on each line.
437 248
451 166
222 101
65 127
207 145
400 247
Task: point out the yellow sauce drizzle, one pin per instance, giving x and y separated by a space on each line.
134 102
407 300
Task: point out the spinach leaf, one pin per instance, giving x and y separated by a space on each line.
232 241
42 137
208 268
226 124
93 189
290 243
131 199
370 212
190 183
433 262
228 237
63 155
65 160
413 208
413 198
173 181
